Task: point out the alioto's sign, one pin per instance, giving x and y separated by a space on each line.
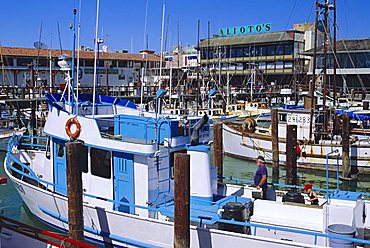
250 29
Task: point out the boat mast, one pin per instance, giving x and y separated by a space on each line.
95 53
197 68
335 54
161 58
325 76
313 82
73 60
2 65
78 51
145 56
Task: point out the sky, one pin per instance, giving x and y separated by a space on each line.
122 22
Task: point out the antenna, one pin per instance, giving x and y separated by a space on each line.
60 40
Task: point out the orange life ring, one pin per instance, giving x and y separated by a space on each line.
68 125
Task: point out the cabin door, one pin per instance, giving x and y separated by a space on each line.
123 181
60 167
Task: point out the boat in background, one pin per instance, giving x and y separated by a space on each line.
248 140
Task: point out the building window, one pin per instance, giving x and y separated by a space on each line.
270 66
280 65
122 64
24 61
288 64
232 53
270 50
239 52
262 65
89 63
83 159
100 163
288 49
280 50
261 51
247 51
8 61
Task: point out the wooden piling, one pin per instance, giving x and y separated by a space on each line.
218 150
346 163
74 190
336 124
291 155
182 201
365 105
275 145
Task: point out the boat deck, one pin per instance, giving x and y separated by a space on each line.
208 212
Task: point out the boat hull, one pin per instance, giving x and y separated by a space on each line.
124 229
250 146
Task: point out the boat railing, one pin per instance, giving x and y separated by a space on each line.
243 181
247 223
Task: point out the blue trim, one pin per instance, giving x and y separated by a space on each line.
200 148
98 232
200 200
107 148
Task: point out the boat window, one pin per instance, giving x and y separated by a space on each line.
83 159
172 162
60 149
100 163
282 117
47 153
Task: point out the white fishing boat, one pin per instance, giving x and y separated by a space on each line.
128 183
248 140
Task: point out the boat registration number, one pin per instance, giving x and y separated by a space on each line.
298 119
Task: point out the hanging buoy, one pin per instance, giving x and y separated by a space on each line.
76 133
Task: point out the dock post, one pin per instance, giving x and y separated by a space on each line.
365 105
218 150
346 162
182 201
74 190
291 155
275 145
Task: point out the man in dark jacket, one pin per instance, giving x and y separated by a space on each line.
260 178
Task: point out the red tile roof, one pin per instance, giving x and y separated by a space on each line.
33 52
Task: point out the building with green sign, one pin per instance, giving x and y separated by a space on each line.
258 60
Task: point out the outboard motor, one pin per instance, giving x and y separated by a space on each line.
196 128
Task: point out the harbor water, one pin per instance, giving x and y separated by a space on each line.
11 204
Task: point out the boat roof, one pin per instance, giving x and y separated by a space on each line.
88 98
